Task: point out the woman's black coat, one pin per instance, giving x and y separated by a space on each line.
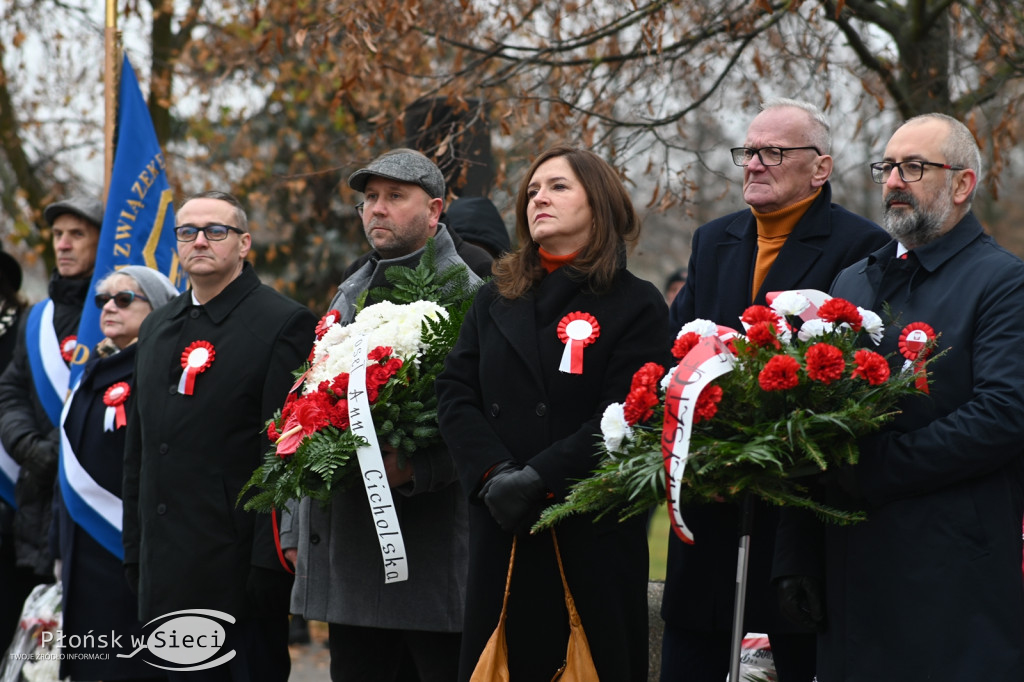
502 397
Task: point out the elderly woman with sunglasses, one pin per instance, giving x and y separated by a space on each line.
96 595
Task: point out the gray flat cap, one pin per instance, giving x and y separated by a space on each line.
404 165
84 207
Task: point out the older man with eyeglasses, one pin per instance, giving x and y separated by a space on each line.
211 367
929 587
791 237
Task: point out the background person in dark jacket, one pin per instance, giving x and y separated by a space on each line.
17 580
96 597
519 428
929 586
193 441
791 237
34 385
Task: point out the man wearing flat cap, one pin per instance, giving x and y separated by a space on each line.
35 383
339 577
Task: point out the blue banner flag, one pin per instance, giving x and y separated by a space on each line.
138 229
138 220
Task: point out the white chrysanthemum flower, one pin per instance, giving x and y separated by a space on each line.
614 427
790 303
667 379
814 328
384 324
872 324
701 327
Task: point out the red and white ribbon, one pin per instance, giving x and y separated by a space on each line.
67 347
705 362
915 342
577 331
195 359
114 416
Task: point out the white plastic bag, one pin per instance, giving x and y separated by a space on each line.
27 657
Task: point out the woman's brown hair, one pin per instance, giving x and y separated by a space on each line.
616 225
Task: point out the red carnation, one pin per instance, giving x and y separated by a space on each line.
762 335
272 433
311 412
647 376
707 404
825 362
779 374
839 311
871 367
338 414
377 375
638 404
684 344
339 386
379 353
759 313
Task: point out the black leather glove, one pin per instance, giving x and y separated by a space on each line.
800 600
131 576
269 592
496 471
515 498
39 457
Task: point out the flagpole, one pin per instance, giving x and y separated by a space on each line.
110 68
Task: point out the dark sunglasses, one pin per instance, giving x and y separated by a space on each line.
122 299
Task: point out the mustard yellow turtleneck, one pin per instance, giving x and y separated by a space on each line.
772 230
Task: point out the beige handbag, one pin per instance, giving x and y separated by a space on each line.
579 665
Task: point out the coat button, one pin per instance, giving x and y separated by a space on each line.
541 409
161 509
163 448
495 409
171 390
194 313
314 539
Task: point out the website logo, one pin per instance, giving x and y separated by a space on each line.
192 639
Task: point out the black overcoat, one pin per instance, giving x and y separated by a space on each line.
96 596
929 587
187 456
503 397
700 581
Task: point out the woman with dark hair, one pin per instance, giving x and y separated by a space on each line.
96 596
548 344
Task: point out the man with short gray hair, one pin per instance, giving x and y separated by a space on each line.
791 237
339 577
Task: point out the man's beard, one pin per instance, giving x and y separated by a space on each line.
916 226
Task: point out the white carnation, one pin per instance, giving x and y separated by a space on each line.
701 327
790 303
872 324
667 379
814 328
614 427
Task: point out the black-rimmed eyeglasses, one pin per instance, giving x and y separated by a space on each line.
910 171
213 233
768 156
122 299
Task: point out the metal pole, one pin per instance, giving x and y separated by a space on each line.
742 561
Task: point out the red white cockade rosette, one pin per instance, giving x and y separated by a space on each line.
577 331
915 345
195 360
114 416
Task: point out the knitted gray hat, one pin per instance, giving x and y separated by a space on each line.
404 165
84 207
154 284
